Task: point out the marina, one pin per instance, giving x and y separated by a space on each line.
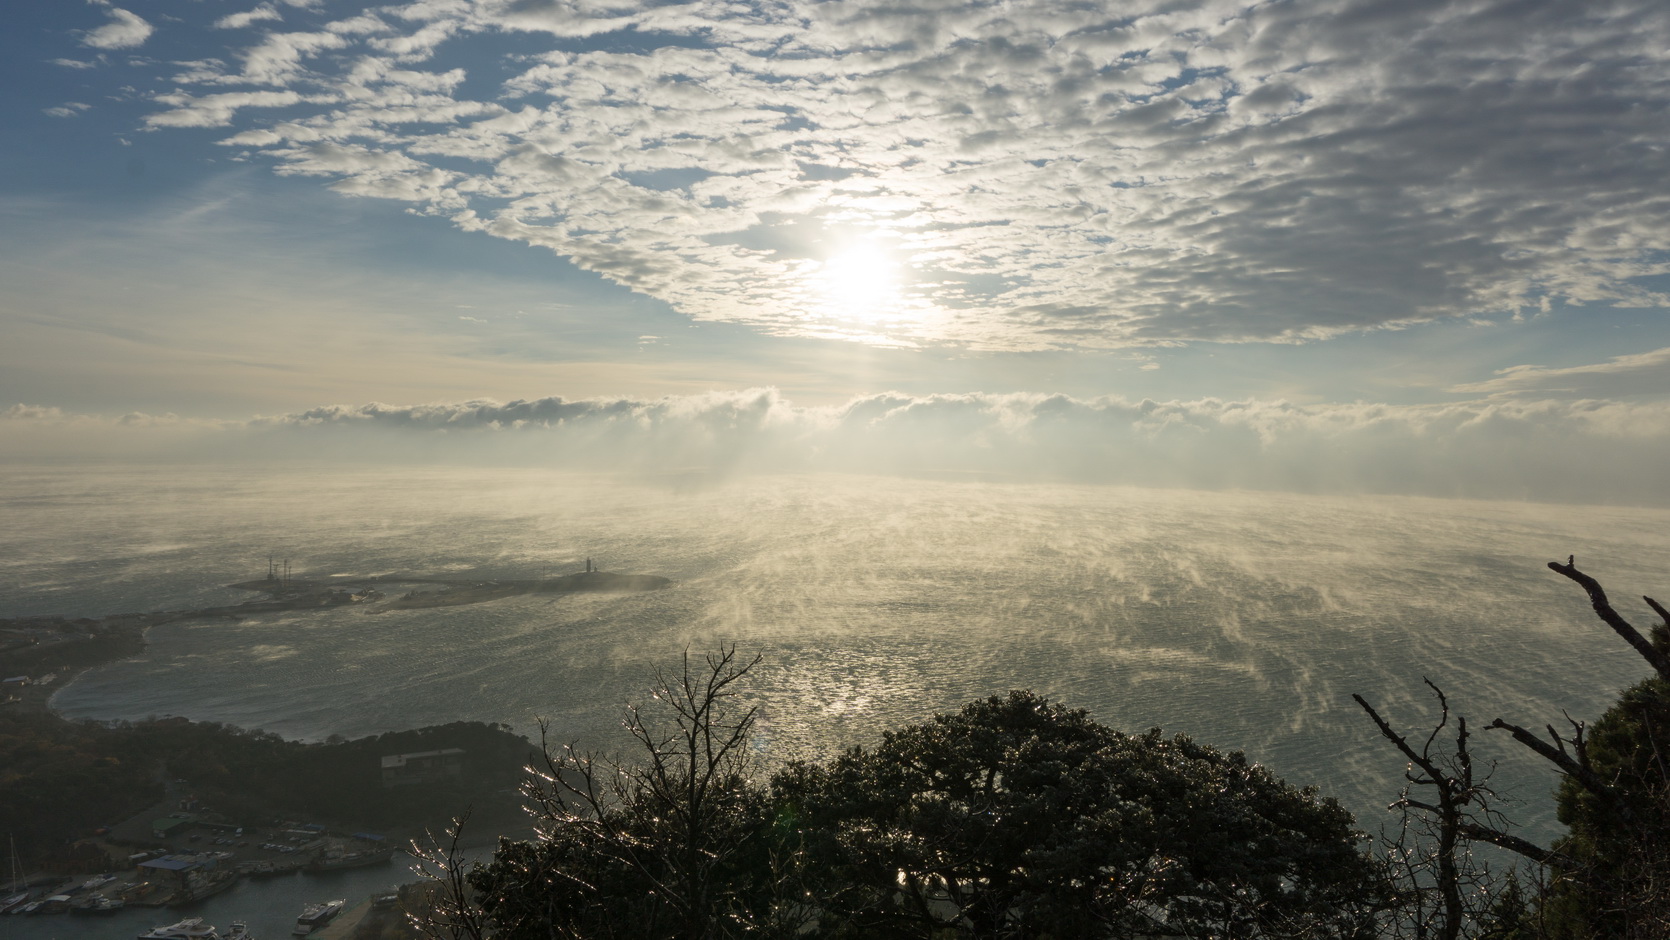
267 908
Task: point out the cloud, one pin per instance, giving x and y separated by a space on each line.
67 109
215 110
45 415
37 431
1579 452
1028 175
1645 373
22 412
124 31
279 58
263 13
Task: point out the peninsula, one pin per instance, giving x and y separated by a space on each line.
63 645
65 779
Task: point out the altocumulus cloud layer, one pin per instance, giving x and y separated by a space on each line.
1006 175
1582 451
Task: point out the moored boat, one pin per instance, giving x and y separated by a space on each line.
192 928
335 861
56 904
97 904
318 915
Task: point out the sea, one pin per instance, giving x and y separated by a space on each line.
1246 620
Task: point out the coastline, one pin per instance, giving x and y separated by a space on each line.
51 667
41 656
53 650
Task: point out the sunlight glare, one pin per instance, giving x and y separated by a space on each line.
861 283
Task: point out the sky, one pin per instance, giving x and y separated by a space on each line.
1373 245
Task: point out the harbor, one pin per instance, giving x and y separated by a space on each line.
179 869
268 906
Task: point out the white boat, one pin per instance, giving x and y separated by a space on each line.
97 904
56 904
318 915
192 928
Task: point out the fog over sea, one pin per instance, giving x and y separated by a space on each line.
1244 619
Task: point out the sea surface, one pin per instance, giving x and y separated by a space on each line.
1246 620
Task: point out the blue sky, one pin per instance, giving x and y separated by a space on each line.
223 212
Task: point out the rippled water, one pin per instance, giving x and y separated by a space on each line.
1246 620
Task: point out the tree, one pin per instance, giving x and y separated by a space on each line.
1613 876
1013 818
1016 817
673 841
1446 805
1509 915
1610 876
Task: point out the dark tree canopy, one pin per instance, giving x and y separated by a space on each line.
1013 818
58 776
1016 817
1614 870
1609 876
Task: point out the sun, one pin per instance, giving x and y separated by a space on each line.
862 282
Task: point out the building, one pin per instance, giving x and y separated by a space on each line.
422 767
170 826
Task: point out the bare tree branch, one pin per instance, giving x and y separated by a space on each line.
649 844
1613 867
1603 609
1657 609
1453 791
1556 754
451 915
1513 843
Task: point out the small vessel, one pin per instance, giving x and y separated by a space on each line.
332 861
192 928
11 903
238 931
56 904
318 915
97 904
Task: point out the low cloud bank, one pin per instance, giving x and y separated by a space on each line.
1582 451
